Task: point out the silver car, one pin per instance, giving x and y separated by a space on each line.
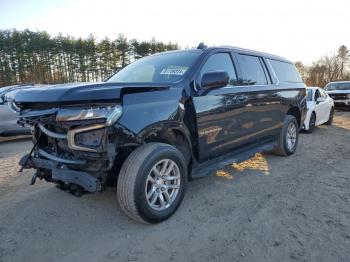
8 119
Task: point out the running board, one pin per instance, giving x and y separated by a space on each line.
240 155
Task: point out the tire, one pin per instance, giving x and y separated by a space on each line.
283 148
312 123
330 119
137 177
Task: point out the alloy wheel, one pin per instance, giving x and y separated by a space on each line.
162 184
291 136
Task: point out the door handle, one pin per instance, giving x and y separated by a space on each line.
242 98
236 100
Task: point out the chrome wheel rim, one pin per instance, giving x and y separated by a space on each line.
291 136
162 184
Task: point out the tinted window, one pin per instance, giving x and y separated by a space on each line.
286 72
220 62
252 70
162 68
317 95
309 95
338 86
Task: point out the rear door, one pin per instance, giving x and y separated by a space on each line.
263 115
319 108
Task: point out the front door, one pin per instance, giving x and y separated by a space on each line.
215 126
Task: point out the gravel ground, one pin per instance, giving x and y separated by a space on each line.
268 208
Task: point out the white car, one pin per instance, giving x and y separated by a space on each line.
320 108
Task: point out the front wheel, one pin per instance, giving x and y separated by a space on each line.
152 182
288 138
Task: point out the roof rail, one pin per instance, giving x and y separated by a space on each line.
201 46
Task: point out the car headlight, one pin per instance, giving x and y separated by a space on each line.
349 96
110 113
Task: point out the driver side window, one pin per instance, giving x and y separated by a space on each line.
220 62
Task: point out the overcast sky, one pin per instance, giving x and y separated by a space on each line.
296 29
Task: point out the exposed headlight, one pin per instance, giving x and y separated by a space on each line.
13 107
110 113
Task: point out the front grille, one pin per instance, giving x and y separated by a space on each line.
339 96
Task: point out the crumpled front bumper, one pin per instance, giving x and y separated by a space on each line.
58 172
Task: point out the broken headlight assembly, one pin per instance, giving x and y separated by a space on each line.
88 138
110 113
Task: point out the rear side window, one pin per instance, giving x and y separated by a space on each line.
286 72
220 62
309 95
252 70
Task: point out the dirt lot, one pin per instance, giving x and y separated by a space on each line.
265 209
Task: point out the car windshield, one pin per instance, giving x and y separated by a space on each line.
309 95
338 86
161 68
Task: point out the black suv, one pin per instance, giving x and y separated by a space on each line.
161 121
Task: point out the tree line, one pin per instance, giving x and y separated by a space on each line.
36 57
334 67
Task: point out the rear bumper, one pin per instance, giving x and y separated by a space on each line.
55 172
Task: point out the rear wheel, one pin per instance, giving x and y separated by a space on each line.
312 123
152 182
331 115
288 138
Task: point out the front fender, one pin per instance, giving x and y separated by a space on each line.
141 110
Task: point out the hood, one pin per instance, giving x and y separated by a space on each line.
338 92
81 92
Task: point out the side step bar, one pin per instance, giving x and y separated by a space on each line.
210 166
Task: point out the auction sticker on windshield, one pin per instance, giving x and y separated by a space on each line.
174 70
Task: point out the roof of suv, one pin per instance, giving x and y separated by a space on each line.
232 48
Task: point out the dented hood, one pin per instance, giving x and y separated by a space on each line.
80 92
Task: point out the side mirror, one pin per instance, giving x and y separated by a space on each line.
320 99
214 80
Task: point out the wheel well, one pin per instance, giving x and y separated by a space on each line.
294 111
175 138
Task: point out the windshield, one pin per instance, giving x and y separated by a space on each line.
162 68
338 86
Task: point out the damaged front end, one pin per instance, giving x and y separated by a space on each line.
73 144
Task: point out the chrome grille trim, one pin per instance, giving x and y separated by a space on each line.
52 134
60 159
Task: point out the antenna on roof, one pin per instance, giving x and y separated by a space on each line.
201 46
